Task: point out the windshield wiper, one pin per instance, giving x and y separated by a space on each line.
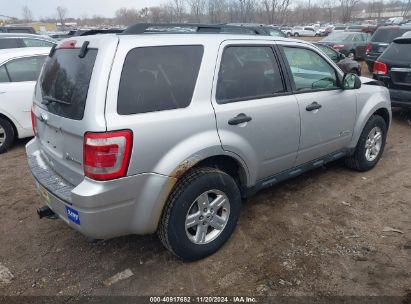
48 99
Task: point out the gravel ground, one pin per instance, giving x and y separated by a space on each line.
319 234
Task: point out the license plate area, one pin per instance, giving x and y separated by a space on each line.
51 138
44 194
401 77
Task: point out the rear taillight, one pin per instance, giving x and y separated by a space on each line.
68 44
33 122
380 68
338 46
107 155
368 49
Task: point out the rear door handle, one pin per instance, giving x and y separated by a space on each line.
240 118
314 106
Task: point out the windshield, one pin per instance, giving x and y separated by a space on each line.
65 81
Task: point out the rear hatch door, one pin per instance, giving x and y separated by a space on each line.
70 100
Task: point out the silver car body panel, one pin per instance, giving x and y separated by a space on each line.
168 143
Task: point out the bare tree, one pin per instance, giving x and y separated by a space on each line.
217 11
406 8
329 6
155 14
347 7
274 10
125 16
27 14
197 8
178 9
61 15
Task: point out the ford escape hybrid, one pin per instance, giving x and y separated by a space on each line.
168 133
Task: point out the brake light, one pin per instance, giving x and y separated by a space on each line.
338 46
380 68
368 49
69 44
33 122
107 155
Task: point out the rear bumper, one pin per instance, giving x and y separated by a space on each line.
130 205
400 98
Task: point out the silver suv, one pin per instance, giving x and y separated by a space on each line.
168 133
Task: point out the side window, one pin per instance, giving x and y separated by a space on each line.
3 75
158 78
248 72
275 33
25 69
10 43
355 38
329 52
309 70
37 43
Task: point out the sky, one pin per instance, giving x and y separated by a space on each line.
76 8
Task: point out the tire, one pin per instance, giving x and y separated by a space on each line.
296 35
6 135
351 55
359 161
288 34
187 243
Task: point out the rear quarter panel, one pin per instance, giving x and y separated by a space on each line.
171 141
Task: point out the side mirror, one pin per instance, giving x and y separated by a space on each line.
342 56
351 82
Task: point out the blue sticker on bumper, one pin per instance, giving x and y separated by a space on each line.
73 215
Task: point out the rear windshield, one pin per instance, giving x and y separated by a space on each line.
387 35
64 82
158 78
398 52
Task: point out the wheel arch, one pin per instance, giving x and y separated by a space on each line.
13 125
228 164
370 109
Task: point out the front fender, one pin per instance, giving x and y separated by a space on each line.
370 98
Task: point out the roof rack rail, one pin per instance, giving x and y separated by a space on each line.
141 28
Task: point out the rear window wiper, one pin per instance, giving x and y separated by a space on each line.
48 99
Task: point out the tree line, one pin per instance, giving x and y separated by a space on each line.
236 11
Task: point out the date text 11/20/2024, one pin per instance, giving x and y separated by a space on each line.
239 299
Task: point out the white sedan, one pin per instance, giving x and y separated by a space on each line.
19 70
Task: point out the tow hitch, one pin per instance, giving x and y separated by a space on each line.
45 211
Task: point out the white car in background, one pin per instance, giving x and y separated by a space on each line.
303 31
19 70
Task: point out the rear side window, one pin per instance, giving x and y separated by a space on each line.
37 43
65 81
4 77
25 69
387 35
248 72
158 78
10 43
